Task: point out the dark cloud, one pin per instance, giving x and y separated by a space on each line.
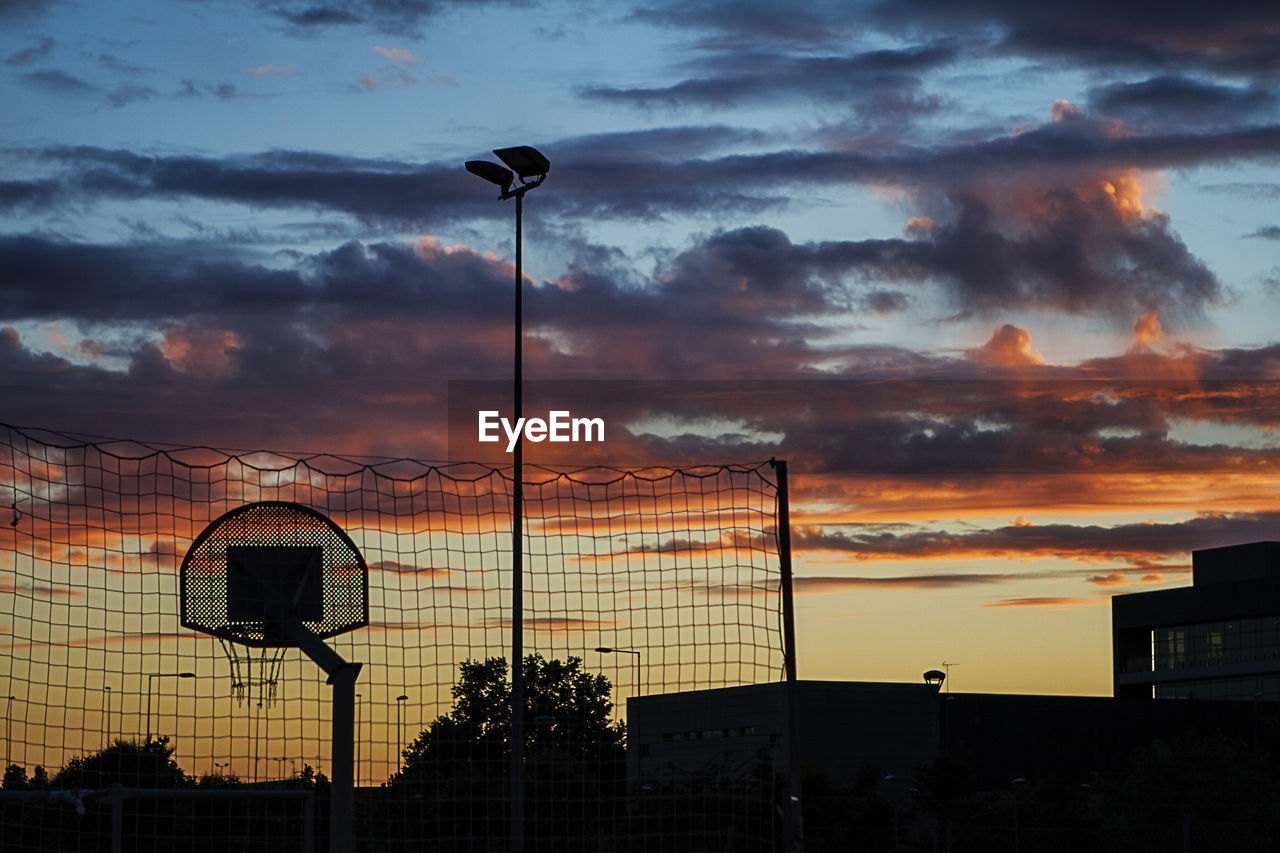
741 77
1248 190
12 10
30 55
126 95
29 194
114 63
1235 38
1138 541
733 22
1267 232
192 89
58 82
1174 101
626 176
388 16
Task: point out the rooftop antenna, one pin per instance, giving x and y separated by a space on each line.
947 667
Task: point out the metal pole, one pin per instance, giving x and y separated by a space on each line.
8 733
107 691
342 798
517 562
359 704
149 680
795 814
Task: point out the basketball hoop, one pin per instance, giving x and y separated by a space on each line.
269 576
252 674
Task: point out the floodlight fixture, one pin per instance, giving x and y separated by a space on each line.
525 160
492 172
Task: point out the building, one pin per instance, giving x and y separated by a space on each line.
1216 639
843 728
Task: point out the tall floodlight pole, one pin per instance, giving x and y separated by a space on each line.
531 167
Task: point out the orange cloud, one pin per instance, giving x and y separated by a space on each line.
273 70
1146 330
396 54
204 352
1047 601
1009 346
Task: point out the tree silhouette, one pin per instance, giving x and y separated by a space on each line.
454 778
130 763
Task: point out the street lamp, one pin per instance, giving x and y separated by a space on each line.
106 700
359 702
150 679
399 728
934 679
641 672
531 166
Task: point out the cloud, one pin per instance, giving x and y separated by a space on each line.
12 10
752 76
1147 330
1267 232
807 584
1175 101
271 70
387 16
395 54
1137 542
735 22
1238 39
58 82
1047 601
31 55
1009 346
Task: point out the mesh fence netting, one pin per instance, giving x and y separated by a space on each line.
124 727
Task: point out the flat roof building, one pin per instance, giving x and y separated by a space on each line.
1216 639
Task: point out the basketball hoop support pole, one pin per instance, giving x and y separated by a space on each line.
342 676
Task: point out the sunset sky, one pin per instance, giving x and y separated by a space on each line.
1037 244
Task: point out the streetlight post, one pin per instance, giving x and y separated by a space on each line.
8 733
106 699
399 729
359 702
531 166
1017 838
150 679
641 672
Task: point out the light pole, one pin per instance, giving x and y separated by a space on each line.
531 166
222 767
641 673
151 677
399 729
359 702
106 701
8 733
1017 839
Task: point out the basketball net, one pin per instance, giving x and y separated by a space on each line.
250 674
